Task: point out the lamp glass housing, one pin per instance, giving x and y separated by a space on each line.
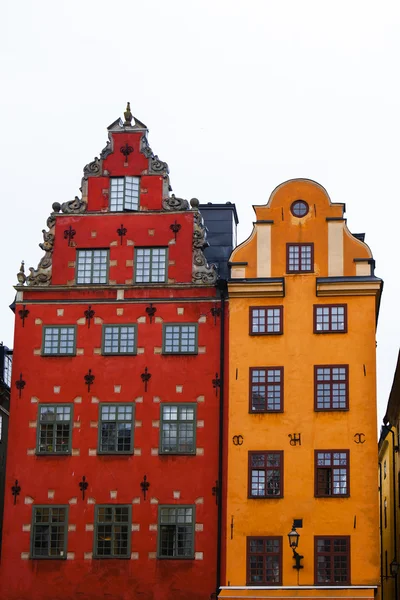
293 537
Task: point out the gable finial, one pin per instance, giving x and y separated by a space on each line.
128 115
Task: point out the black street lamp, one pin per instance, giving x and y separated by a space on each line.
293 537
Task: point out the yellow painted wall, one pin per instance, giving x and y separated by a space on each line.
387 531
298 350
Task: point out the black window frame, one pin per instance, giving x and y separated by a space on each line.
119 327
180 423
114 524
266 387
263 320
54 526
268 476
327 475
331 389
180 326
261 542
190 531
331 318
51 329
102 281
151 249
332 580
55 435
131 420
125 198
302 248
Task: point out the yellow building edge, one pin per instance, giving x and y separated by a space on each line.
287 592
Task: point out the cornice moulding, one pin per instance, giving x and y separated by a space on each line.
257 288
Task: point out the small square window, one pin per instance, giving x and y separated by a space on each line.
266 320
49 532
119 339
332 558
266 474
331 387
330 318
180 338
54 430
112 531
177 430
176 531
331 473
150 265
116 428
92 267
124 193
59 340
300 258
264 561
266 389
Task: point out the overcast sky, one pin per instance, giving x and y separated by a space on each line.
239 96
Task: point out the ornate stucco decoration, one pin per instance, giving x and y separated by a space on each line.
202 272
173 203
42 275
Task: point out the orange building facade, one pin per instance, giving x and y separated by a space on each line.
302 443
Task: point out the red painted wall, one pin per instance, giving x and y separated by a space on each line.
145 577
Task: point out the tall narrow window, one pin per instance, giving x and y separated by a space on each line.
112 531
54 429
92 266
150 265
300 258
180 338
264 561
266 320
59 340
124 193
176 532
119 339
266 389
331 473
266 474
331 387
116 429
49 532
332 560
330 318
177 431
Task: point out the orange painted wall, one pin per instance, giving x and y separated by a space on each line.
297 351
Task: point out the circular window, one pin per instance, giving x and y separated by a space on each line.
299 208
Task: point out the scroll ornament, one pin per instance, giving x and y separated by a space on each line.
202 272
42 275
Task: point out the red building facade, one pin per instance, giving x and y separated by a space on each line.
115 420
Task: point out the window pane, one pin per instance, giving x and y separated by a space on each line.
176 532
112 531
119 339
266 390
59 340
49 532
178 429
264 561
116 428
92 266
151 265
54 429
180 339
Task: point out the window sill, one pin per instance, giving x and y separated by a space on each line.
175 557
67 453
